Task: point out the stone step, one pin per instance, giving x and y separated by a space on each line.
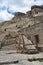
9 47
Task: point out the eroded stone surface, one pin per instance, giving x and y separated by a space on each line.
22 58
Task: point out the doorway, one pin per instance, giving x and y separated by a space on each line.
37 40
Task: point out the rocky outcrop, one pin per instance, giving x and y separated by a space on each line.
20 21
36 13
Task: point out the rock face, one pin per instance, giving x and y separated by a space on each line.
35 31
21 21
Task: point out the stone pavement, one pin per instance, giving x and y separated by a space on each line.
10 57
27 63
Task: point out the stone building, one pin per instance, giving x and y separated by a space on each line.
35 31
30 24
37 10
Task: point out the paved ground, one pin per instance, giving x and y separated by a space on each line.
27 63
9 57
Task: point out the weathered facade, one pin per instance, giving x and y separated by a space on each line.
35 31
30 24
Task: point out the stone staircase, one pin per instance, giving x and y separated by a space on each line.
29 45
8 47
26 47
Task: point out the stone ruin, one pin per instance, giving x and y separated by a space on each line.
25 45
20 43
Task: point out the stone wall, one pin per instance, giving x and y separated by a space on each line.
37 11
33 30
21 20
